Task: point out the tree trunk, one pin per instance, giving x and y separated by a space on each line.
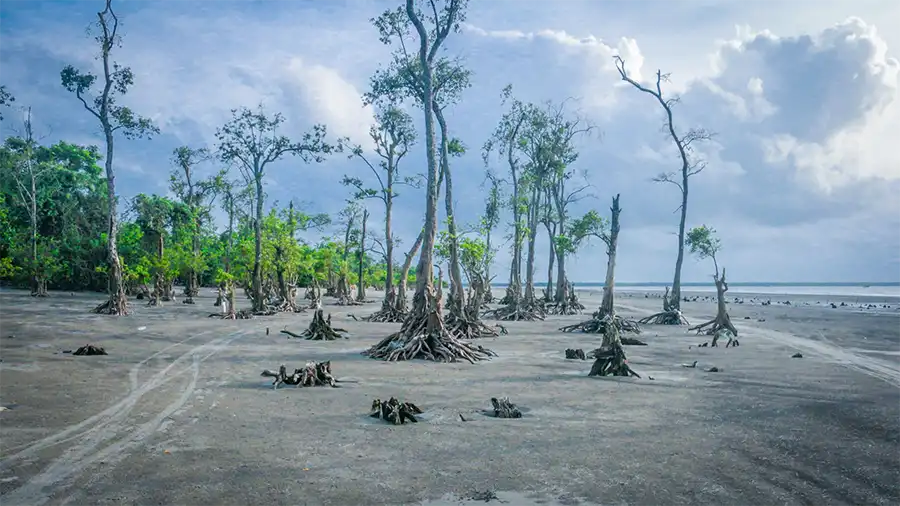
117 304
38 284
532 235
404 273
258 300
425 268
488 293
675 296
388 235
457 294
360 283
562 283
607 307
551 232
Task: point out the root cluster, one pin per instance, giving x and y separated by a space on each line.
610 361
320 329
424 336
395 412
505 409
518 310
465 328
119 306
90 349
670 317
313 374
599 322
389 312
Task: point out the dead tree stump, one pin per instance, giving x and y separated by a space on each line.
576 354
505 409
320 329
610 361
313 374
90 349
669 315
395 412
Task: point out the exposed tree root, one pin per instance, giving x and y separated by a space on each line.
670 317
720 325
520 310
389 312
320 329
610 361
597 324
568 306
188 300
505 409
117 306
395 412
575 354
424 336
466 328
313 374
90 349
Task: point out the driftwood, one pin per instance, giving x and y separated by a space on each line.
90 349
575 354
505 409
395 412
313 374
424 336
610 361
320 329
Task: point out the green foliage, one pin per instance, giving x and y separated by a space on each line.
703 242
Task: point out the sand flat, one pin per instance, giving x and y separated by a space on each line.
178 414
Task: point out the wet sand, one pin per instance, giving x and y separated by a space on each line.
178 414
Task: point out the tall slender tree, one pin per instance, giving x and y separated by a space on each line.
690 165
116 81
423 334
250 140
392 135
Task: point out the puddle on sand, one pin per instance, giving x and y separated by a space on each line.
510 498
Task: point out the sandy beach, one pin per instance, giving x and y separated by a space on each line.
177 413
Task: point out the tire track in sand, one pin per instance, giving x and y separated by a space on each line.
102 442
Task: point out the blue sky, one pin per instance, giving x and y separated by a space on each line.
802 178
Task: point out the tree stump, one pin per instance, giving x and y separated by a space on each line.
395 412
90 349
505 409
576 354
313 374
320 329
610 361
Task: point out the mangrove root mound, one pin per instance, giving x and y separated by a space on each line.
395 412
518 311
576 354
597 325
465 328
505 409
424 336
320 329
313 374
90 349
670 317
610 361
389 312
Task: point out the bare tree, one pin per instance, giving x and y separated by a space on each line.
690 166
250 140
113 118
28 174
489 221
423 334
